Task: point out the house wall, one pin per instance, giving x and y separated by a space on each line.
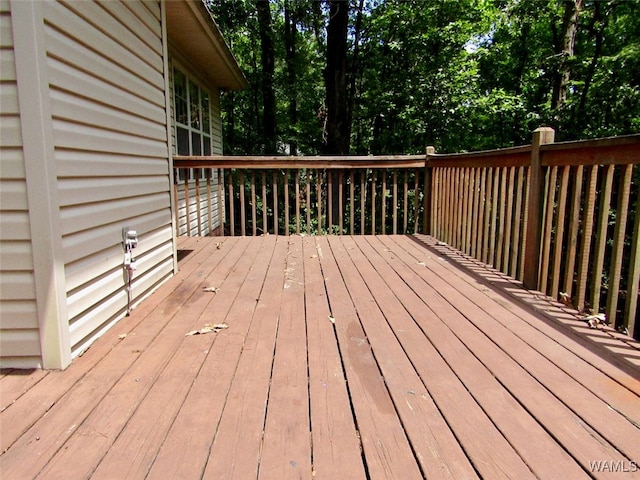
191 191
85 152
19 331
106 71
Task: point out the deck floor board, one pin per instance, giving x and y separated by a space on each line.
367 357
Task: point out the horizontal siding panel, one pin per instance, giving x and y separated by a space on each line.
21 362
92 139
101 237
110 283
6 35
83 84
69 106
84 270
153 6
79 57
12 164
74 163
9 99
13 195
86 327
89 190
147 64
15 226
18 314
84 217
7 65
17 286
20 343
142 23
16 255
10 131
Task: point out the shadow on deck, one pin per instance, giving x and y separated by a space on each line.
334 357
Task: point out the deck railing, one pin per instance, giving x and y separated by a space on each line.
561 217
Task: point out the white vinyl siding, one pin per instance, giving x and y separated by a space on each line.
19 330
196 187
106 74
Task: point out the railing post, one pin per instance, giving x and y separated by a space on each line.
541 136
428 190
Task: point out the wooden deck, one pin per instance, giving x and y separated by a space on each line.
344 358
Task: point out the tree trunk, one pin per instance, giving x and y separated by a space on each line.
268 68
563 75
335 75
338 129
290 32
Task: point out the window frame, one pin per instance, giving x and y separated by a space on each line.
194 127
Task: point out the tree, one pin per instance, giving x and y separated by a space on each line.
338 129
268 70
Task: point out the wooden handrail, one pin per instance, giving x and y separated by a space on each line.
539 212
291 162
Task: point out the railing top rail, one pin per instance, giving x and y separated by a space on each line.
295 162
503 157
621 150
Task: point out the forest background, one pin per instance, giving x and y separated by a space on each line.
393 76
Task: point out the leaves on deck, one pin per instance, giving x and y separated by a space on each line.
210 289
332 320
596 319
208 328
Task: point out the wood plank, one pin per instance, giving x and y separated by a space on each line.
580 440
137 444
286 201
186 449
308 205
547 230
253 197
35 402
15 383
494 458
235 450
265 224
274 192
508 238
387 452
319 200
334 435
551 338
340 202
352 215
128 358
286 450
501 223
297 188
329 200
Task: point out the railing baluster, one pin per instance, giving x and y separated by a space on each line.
383 195
352 217
517 225
550 200
232 221
363 197
340 202
308 209
319 197
373 201
574 224
297 201
633 277
209 199
559 236
501 222
265 225
243 230
509 220
286 201
585 244
274 192
253 203
601 236
405 218
395 202
329 200
624 192
221 216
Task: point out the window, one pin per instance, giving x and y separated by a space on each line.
192 109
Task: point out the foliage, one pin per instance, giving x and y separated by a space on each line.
456 74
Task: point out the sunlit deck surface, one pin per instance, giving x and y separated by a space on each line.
344 358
